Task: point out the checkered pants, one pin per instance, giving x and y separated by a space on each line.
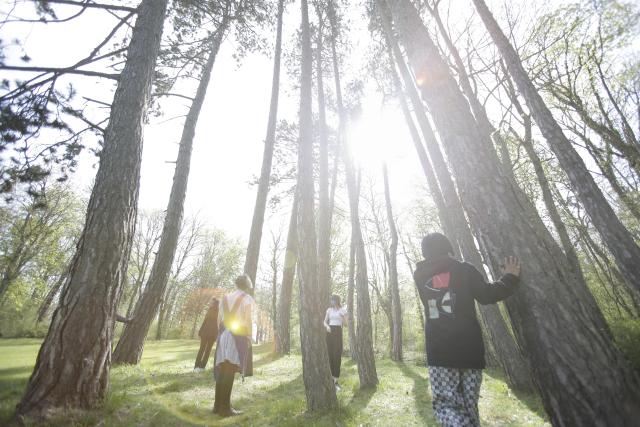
455 394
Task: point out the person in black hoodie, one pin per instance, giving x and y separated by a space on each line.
448 289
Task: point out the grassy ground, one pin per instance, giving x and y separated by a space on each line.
163 391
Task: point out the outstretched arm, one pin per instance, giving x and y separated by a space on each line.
490 293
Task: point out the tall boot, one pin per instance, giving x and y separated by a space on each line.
219 396
225 409
232 410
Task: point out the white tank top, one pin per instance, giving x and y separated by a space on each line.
334 316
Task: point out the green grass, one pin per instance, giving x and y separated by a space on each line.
163 391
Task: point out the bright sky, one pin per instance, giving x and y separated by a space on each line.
229 138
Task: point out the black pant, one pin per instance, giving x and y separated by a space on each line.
334 345
224 385
204 352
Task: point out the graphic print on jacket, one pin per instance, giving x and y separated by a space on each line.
441 299
449 290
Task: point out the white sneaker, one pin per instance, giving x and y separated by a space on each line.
198 370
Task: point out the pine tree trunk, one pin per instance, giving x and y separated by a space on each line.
318 384
255 235
81 331
129 347
581 375
274 291
364 340
547 197
396 308
161 318
283 332
452 213
616 237
351 284
324 216
51 295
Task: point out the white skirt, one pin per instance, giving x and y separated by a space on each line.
226 350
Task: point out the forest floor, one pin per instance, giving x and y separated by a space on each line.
163 391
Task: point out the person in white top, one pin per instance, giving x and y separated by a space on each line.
233 352
334 319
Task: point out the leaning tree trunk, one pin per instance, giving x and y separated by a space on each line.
81 331
255 235
453 219
396 308
582 377
283 329
324 215
318 385
131 343
547 197
502 348
364 340
616 237
274 290
351 284
48 299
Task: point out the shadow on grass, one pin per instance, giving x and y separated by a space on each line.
158 383
361 398
13 373
530 399
420 393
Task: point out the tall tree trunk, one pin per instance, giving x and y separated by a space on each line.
581 375
274 289
318 385
366 358
161 318
396 308
547 197
452 213
616 237
129 347
135 295
255 235
324 216
81 331
283 332
51 295
351 284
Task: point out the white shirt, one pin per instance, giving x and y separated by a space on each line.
334 316
244 310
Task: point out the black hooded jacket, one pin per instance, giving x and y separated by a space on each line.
448 289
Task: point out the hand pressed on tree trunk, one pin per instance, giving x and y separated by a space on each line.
511 265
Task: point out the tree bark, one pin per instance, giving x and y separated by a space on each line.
48 300
255 235
129 347
283 332
81 331
351 284
396 308
324 215
616 237
452 216
581 375
318 385
274 283
366 358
